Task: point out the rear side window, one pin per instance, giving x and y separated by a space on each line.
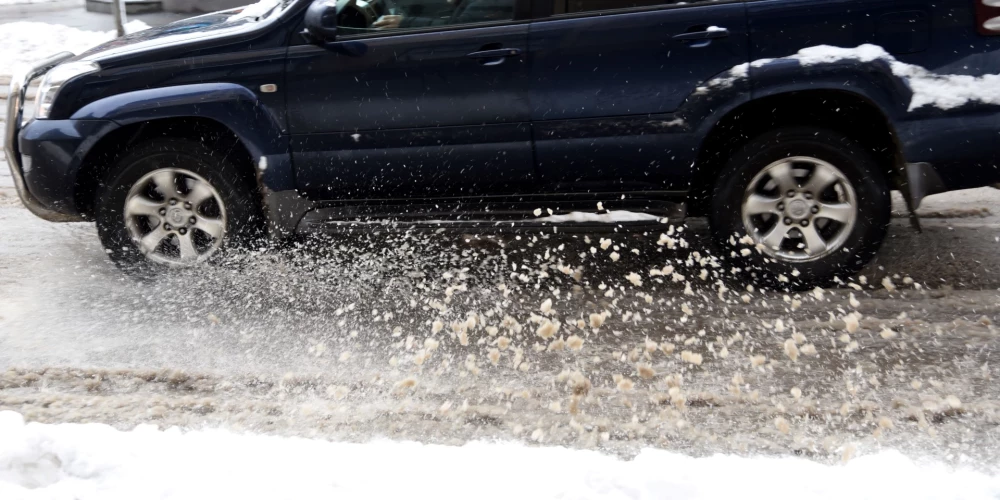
576 6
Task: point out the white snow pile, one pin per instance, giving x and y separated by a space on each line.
30 41
929 88
94 461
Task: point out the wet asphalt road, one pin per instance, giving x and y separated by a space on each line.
354 340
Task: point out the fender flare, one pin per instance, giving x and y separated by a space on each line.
233 106
870 81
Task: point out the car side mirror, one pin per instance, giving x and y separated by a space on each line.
321 20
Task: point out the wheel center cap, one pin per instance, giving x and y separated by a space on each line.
176 216
798 208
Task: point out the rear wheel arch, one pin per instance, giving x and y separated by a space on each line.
849 113
852 193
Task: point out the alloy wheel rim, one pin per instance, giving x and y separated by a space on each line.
799 209
175 217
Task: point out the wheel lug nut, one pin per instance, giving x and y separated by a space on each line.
192 220
788 221
187 205
804 223
173 201
815 210
781 206
791 194
182 230
163 211
167 227
809 196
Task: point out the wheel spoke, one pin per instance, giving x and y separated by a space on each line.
783 175
212 227
149 242
776 235
188 252
165 183
140 205
757 204
840 212
813 241
821 179
199 193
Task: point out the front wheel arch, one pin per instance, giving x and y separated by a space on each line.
109 149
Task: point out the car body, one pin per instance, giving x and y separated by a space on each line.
637 105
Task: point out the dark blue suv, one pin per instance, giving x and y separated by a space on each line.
785 122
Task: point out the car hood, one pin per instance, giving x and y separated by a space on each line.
221 25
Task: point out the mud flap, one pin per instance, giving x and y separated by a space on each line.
921 181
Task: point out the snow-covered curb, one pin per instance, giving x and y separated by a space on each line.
93 461
6 3
34 41
929 88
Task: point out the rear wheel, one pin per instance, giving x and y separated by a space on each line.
813 203
172 203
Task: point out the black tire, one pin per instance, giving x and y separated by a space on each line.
244 221
863 173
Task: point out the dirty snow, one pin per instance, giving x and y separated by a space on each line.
32 48
447 339
95 461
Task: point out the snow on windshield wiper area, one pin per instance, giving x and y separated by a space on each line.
256 11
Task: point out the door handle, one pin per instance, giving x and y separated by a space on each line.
494 53
709 34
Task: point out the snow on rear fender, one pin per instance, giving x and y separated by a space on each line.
942 91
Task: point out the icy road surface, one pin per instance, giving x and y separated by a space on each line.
616 343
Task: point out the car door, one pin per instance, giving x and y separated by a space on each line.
437 111
607 77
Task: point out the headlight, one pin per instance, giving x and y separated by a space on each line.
54 79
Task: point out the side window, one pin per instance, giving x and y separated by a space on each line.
576 6
361 16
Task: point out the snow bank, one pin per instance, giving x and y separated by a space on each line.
93 461
35 41
929 88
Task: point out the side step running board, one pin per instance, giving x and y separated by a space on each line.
347 219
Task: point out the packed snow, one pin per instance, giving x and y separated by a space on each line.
96 461
942 91
611 216
32 48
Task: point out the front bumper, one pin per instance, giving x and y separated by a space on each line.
15 111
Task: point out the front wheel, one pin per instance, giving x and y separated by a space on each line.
171 203
813 203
